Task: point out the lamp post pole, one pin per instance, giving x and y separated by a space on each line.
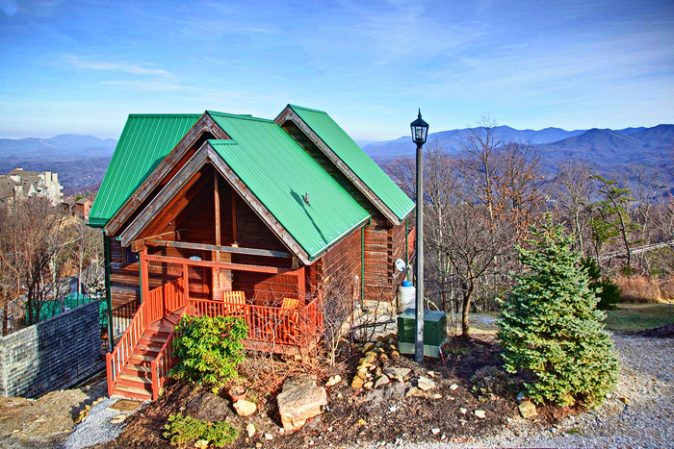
419 341
419 130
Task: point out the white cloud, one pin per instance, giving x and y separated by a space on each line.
123 67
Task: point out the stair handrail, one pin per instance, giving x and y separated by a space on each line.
163 362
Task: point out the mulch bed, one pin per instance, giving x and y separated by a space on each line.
383 414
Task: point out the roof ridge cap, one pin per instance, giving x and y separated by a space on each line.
239 116
295 106
150 114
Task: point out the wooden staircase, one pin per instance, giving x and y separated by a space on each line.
140 362
135 380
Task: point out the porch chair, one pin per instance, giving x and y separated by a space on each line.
235 303
290 303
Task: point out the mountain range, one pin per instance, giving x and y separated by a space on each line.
81 160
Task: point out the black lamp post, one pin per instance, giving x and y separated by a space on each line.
419 133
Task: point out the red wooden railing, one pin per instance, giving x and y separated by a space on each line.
159 302
161 366
275 325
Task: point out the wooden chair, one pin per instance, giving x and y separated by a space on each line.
290 303
235 302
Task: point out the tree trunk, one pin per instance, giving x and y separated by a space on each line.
465 309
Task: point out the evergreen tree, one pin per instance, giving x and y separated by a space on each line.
550 328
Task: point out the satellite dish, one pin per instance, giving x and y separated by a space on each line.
400 265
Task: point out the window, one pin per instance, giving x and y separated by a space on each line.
130 256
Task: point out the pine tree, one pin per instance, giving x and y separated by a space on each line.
550 328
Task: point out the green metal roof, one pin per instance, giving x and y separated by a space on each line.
357 160
278 171
145 141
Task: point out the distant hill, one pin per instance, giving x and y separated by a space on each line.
80 160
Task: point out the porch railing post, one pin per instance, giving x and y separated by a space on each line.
186 285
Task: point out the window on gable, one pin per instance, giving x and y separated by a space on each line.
130 256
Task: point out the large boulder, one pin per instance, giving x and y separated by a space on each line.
301 399
209 407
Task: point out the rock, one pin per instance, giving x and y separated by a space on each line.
340 395
521 396
625 400
368 385
431 374
123 405
527 409
425 383
367 347
334 380
453 387
361 422
480 414
300 400
209 407
118 419
362 373
414 392
268 436
250 430
383 358
463 410
381 381
435 430
357 383
201 444
393 409
244 408
398 374
395 355
258 445
436 396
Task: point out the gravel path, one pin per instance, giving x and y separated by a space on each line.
97 427
646 421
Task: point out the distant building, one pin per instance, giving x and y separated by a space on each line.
20 183
81 208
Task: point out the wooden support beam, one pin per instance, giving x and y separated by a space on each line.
235 236
221 248
301 283
144 275
222 265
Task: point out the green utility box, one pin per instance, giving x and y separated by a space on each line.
435 331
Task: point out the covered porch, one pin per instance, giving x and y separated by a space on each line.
281 315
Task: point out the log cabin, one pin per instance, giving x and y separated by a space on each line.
235 215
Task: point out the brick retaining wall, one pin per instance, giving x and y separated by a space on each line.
53 354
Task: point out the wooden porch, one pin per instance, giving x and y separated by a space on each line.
142 358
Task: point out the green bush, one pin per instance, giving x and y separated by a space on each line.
184 431
209 349
605 289
550 328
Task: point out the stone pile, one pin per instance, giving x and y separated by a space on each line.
372 371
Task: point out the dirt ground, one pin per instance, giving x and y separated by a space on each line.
44 422
378 415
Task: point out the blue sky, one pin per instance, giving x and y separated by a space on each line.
82 66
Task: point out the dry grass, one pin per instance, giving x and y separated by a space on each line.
643 289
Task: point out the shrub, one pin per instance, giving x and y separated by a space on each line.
606 290
184 431
550 328
489 382
209 349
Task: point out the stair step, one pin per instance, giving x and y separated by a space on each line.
134 392
135 378
137 357
148 348
149 340
137 368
